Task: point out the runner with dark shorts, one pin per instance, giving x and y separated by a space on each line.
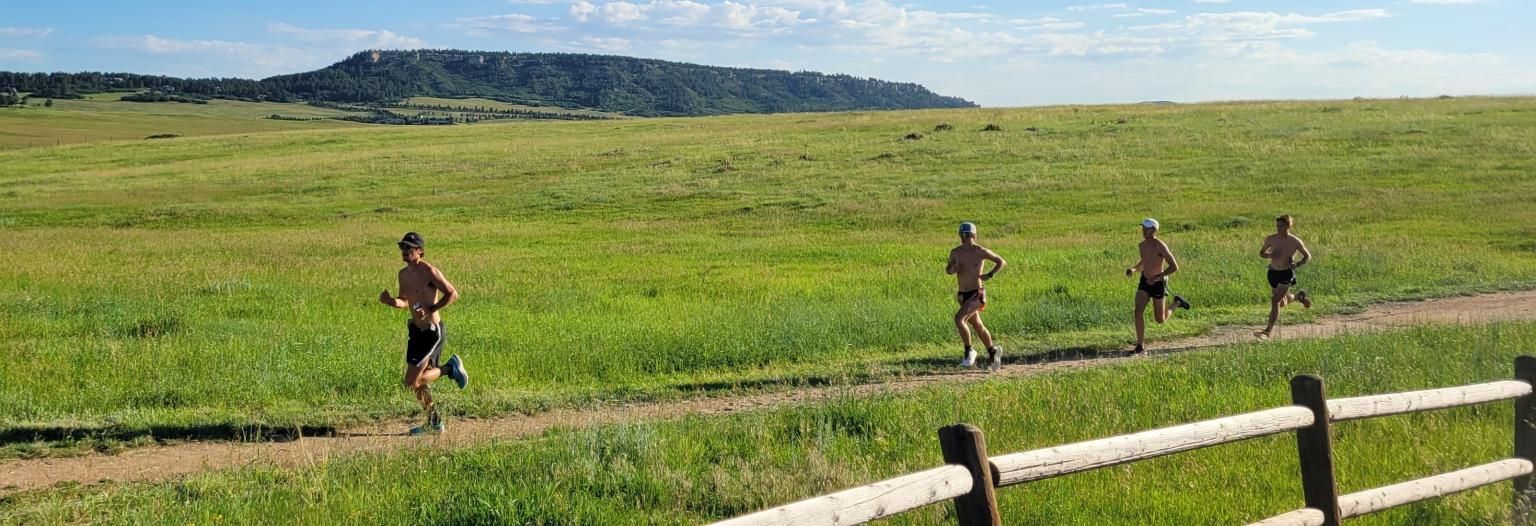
1155 265
1280 249
965 262
420 287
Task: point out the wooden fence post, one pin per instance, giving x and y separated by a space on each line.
1525 438
964 444
1315 446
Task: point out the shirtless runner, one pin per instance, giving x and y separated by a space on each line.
965 262
1280 249
420 284
1154 281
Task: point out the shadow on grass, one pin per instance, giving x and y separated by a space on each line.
224 432
768 383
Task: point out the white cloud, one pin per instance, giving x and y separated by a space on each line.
1144 12
25 32
1250 25
581 10
261 59
20 54
1363 54
511 23
603 43
350 38
1095 7
1044 23
728 15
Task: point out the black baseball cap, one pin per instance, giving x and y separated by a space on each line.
412 240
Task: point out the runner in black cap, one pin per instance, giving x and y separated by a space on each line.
420 285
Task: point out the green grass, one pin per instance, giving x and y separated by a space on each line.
221 282
103 117
699 469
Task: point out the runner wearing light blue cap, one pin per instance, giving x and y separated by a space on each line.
1155 265
965 262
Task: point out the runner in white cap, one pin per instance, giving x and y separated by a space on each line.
1155 265
965 262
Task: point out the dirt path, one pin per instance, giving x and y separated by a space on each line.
162 462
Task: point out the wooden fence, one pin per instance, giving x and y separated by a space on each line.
970 478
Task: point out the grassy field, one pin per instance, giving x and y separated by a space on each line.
103 117
700 469
212 283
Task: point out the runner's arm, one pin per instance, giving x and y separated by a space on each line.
1306 255
949 268
1173 263
1134 268
1267 250
450 294
394 302
997 264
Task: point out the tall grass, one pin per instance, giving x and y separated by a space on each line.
231 280
699 469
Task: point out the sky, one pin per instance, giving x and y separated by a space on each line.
998 54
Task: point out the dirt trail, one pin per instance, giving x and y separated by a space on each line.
162 462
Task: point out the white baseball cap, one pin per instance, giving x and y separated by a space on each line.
968 228
1149 223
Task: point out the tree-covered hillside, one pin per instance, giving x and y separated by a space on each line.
627 85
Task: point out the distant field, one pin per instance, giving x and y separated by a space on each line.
700 469
499 105
195 283
102 117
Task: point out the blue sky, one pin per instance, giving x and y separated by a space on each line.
995 53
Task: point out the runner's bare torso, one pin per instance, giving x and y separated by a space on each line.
965 261
1281 250
1154 258
420 285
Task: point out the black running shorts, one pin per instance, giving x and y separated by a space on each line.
424 346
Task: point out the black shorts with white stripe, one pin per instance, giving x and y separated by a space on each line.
424 346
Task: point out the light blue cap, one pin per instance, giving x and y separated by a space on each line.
968 228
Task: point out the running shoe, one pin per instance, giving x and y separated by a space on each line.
1178 301
455 370
1301 296
970 358
431 428
995 358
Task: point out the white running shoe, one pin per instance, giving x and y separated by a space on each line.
970 358
995 358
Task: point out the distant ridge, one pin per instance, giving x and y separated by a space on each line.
632 86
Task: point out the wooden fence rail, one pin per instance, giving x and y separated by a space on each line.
971 477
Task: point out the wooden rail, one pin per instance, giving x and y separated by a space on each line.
1413 402
970 477
1094 454
866 503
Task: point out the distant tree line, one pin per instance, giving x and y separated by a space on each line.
160 96
642 87
277 117
501 112
10 97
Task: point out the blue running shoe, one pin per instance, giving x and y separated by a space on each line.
428 429
456 371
